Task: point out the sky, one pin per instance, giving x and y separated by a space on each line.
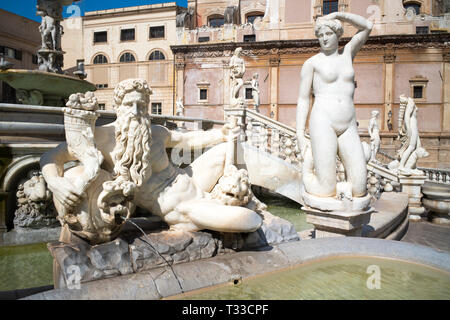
27 8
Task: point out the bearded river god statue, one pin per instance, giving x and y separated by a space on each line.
125 164
332 124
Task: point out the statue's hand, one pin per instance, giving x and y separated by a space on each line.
230 131
64 191
303 143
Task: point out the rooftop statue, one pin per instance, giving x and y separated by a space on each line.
136 171
329 75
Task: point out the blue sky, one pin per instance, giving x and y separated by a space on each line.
27 8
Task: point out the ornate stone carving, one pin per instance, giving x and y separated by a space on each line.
136 179
408 133
389 58
35 208
50 55
237 71
274 62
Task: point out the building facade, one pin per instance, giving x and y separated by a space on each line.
407 53
118 44
19 41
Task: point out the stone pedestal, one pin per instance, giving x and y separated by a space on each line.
412 186
436 200
329 224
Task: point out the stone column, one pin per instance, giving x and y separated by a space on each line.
274 64
446 98
412 185
389 59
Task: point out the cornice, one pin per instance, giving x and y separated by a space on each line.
283 47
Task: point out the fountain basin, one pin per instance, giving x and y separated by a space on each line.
161 282
47 88
436 199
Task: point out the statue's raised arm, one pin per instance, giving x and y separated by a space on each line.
363 25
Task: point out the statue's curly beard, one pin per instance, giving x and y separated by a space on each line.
131 155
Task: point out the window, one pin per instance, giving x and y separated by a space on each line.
126 34
249 38
330 6
157 32
418 92
419 87
421 30
101 106
127 57
34 59
101 36
11 53
102 86
248 93
156 108
252 17
99 59
203 95
157 55
203 39
413 6
216 21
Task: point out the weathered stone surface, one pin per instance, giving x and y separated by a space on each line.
136 253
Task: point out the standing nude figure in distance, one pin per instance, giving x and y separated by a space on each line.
332 123
374 132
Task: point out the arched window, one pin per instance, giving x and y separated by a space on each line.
157 55
251 17
413 5
99 59
127 57
216 21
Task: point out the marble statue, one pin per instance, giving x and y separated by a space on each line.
267 11
237 66
332 124
136 171
34 206
408 133
255 91
180 107
374 133
50 55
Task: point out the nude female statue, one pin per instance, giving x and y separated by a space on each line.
332 123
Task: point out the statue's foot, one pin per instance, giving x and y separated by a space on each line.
344 191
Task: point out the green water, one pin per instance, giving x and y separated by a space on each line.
25 266
338 278
288 210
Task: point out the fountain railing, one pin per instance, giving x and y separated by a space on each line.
268 135
53 128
